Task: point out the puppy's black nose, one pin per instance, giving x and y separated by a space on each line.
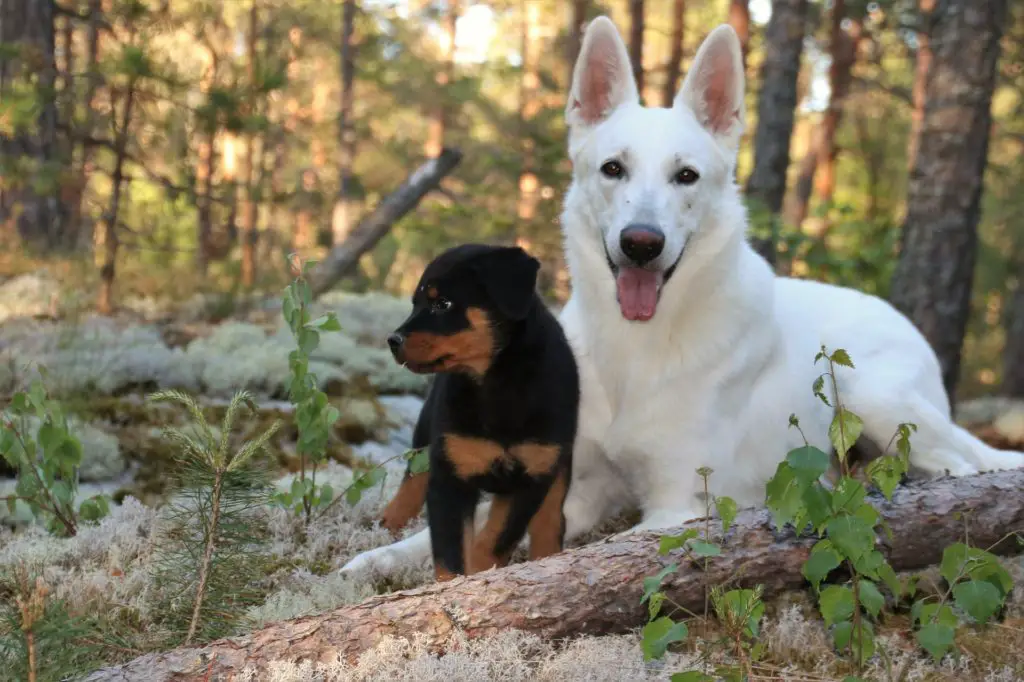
395 341
642 243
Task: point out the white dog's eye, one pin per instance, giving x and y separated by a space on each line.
686 176
612 169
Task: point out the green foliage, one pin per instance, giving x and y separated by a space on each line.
797 495
212 549
314 415
46 462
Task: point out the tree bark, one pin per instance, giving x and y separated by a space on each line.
343 257
577 16
1013 353
596 589
529 105
933 277
739 19
32 204
440 121
675 57
776 107
247 233
344 207
922 64
636 41
817 170
105 300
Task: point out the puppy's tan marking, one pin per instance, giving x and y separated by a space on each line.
546 527
482 554
472 349
471 456
537 459
407 502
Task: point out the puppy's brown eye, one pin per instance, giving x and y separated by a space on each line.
612 169
440 305
686 176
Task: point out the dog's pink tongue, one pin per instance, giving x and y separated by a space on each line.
638 293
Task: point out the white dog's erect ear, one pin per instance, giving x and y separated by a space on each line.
713 88
602 79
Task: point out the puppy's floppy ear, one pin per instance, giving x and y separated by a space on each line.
509 276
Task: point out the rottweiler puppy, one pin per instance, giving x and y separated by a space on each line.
500 416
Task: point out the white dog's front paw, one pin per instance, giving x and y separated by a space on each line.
381 561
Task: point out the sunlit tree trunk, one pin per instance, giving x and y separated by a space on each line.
636 41
922 64
776 106
739 19
577 15
675 58
817 169
933 278
529 105
1013 353
248 226
440 119
344 205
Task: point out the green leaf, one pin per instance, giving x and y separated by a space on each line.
924 612
653 583
784 493
848 496
870 598
726 507
353 494
419 462
705 549
841 357
659 634
891 580
818 388
936 639
836 604
859 639
326 323
851 536
808 463
979 598
844 431
823 560
885 473
326 494
654 605
671 542
817 504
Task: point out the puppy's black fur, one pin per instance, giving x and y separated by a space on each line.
501 414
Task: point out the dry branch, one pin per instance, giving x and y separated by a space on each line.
596 589
343 257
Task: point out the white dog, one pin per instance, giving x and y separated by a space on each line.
692 352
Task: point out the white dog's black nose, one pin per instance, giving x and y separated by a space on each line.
642 243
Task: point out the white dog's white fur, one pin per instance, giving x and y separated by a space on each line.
712 378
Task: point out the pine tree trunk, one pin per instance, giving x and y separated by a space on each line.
596 589
247 233
817 170
1013 353
529 105
111 242
636 41
933 278
675 58
577 16
922 64
776 107
439 122
80 171
344 205
35 212
739 19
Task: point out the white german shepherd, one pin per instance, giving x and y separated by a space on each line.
692 352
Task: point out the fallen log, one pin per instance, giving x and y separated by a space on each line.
596 589
343 257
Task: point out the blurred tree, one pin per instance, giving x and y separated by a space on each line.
776 108
1013 352
529 106
818 167
636 42
577 16
443 78
922 63
933 278
249 207
739 19
344 205
675 59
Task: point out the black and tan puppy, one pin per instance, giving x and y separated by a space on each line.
501 414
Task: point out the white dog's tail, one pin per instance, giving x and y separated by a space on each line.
986 457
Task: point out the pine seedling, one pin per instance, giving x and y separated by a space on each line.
215 534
